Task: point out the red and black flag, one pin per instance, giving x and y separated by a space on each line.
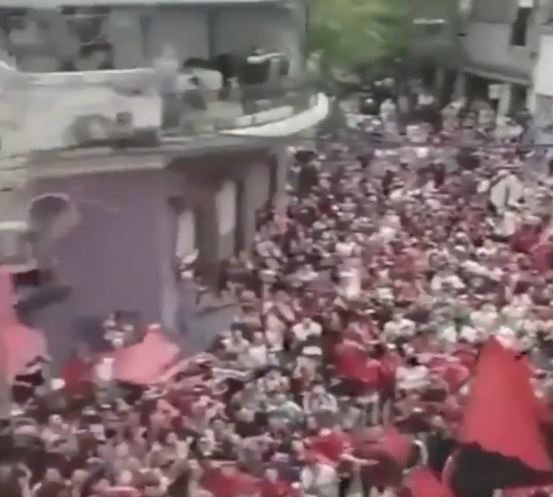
500 442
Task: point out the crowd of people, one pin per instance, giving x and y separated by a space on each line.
364 309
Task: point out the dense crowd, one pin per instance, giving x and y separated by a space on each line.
363 310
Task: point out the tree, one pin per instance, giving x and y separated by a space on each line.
348 33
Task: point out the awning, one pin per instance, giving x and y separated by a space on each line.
503 74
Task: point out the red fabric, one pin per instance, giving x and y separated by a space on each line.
145 362
19 345
389 364
541 256
423 483
397 445
351 362
78 376
500 415
274 489
332 446
222 485
525 239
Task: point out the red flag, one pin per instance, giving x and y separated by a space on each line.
145 362
501 416
19 344
424 483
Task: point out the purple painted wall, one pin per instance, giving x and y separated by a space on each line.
109 259
121 254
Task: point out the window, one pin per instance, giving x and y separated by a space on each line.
186 234
519 29
226 208
10 244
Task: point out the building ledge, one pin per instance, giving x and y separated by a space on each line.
288 125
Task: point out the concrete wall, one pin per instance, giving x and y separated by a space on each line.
487 45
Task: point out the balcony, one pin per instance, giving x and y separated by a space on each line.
129 108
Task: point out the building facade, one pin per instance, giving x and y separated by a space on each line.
500 46
131 137
434 45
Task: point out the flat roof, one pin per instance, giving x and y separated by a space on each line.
54 4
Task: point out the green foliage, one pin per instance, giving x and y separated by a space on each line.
352 32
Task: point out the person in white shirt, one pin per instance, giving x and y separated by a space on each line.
413 376
257 354
445 280
236 343
319 479
306 328
319 401
399 327
486 319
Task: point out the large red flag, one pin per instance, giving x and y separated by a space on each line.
144 363
19 344
501 415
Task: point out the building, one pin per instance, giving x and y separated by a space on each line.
434 45
541 97
134 134
499 51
